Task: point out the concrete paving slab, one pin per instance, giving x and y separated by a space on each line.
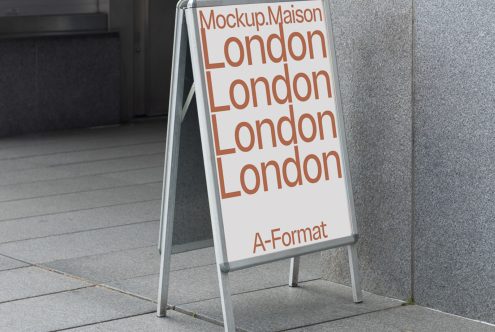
84 139
7 263
75 221
139 176
100 154
406 318
130 263
33 281
174 322
16 165
201 283
81 169
70 309
57 187
114 165
78 201
83 244
30 175
284 307
57 142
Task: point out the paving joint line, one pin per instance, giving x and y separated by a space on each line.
75 151
17 259
79 231
97 160
42 264
341 318
78 210
46 294
125 292
171 307
103 285
103 321
39 165
105 253
242 293
82 176
177 270
203 318
81 191
68 275
16 268
150 274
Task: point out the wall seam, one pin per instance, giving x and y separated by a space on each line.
413 148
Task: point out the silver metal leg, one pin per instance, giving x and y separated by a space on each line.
171 160
294 271
227 308
357 293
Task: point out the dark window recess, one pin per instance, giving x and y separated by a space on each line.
18 26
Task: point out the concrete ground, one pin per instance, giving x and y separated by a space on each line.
78 231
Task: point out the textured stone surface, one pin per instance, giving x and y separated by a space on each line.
81 244
455 157
69 309
11 165
78 201
74 157
77 221
201 283
373 43
408 318
7 263
12 192
282 308
145 175
131 263
80 169
174 322
79 183
62 182
32 281
82 139
59 82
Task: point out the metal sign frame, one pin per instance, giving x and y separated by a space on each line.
186 27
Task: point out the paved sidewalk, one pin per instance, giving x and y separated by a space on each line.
78 230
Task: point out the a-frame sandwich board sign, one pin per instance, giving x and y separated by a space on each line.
272 134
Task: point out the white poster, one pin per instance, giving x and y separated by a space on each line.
272 112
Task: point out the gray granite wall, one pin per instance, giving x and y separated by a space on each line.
59 83
373 43
454 127
422 149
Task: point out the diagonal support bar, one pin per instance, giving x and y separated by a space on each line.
187 103
171 159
